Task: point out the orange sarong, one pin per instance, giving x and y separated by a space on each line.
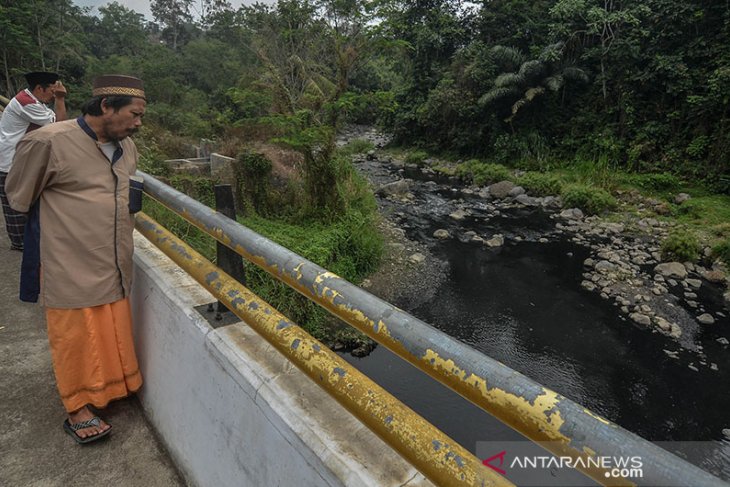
93 354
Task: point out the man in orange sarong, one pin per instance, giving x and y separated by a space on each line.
73 180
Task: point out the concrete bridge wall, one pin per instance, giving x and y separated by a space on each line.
231 409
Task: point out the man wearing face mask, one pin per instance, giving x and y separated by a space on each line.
26 112
73 179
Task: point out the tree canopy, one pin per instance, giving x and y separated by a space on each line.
642 83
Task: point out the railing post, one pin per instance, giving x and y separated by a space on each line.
227 259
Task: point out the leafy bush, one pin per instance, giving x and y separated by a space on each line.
682 246
479 172
590 199
540 184
722 251
252 178
416 157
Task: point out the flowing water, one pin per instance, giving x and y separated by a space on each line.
523 305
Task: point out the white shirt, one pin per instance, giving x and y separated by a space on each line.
24 113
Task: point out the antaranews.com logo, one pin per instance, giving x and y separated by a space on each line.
614 467
529 465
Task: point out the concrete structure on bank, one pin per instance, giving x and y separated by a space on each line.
231 409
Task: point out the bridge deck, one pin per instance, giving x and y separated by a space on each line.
34 450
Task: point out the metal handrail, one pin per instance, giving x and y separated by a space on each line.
431 451
560 425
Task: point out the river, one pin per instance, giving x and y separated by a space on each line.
523 305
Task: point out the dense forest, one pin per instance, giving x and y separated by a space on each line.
640 85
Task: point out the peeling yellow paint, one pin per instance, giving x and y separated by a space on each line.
403 429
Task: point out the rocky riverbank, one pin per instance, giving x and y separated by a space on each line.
678 299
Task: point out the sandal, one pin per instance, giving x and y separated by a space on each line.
71 429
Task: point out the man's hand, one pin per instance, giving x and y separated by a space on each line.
59 91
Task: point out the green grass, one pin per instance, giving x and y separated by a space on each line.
356 146
681 245
480 173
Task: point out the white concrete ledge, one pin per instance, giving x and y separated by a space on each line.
231 409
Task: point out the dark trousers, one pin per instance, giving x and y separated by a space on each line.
14 221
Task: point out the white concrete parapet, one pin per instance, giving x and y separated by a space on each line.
233 411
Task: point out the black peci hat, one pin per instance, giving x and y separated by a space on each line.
118 85
40 78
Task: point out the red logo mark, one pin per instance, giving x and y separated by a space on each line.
499 455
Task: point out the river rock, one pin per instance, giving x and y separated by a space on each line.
605 266
672 270
516 191
715 276
551 202
496 241
671 354
399 187
459 214
662 208
371 155
706 319
588 285
641 319
614 227
417 258
501 189
572 214
676 331
441 234
523 199
663 324
681 198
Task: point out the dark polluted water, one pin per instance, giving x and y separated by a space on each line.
523 305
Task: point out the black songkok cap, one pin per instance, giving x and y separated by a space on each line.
41 78
118 85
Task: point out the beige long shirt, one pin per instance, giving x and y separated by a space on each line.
86 229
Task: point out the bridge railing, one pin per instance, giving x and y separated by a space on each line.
558 424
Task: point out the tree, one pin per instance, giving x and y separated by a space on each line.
525 80
173 15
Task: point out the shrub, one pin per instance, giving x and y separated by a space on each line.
656 182
722 251
416 157
682 246
479 172
590 199
540 184
252 178
357 146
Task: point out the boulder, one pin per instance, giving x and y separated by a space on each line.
681 198
641 319
441 234
516 191
417 258
496 241
672 270
706 319
523 199
399 187
572 214
501 189
459 214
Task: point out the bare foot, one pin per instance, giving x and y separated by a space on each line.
84 414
